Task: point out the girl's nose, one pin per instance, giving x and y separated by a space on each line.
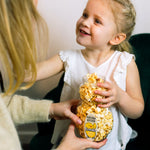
86 22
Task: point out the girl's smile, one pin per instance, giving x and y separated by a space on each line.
84 33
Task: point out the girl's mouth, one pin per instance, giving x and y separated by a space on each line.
84 32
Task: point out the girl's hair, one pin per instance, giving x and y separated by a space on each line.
22 33
125 16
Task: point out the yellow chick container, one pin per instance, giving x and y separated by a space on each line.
97 122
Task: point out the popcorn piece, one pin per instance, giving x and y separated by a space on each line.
96 122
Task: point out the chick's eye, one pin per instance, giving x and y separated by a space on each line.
97 21
85 15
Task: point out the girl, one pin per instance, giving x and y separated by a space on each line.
103 29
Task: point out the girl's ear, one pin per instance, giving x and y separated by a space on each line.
120 37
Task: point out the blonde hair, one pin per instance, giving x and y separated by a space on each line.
125 17
22 32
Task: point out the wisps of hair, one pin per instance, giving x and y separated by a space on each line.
125 16
22 31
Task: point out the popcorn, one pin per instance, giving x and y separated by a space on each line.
96 122
87 89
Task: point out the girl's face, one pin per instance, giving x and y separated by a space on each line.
96 27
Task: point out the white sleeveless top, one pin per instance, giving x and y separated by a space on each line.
76 67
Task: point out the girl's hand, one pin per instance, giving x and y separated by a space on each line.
63 110
71 142
111 94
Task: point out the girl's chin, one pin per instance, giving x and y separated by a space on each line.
80 42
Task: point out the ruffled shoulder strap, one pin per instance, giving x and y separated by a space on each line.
126 58
120 70
68 57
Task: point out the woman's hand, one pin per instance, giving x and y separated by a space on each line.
71 142
63 110
111 94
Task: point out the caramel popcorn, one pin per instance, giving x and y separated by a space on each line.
96 122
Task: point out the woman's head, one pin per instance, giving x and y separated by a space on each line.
22 31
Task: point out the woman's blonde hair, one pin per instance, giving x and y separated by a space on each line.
23 33
125 17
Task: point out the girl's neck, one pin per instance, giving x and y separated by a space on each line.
96 57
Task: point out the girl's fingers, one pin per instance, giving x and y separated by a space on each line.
106 100
106 85
104 93
105 105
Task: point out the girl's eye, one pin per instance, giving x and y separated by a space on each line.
85 15
97 21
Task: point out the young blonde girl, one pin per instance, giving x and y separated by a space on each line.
104 30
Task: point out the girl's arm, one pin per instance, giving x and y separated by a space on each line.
130 102
48 68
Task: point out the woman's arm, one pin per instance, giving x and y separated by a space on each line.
71 142
26 110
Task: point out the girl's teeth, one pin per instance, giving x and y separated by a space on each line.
83 32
